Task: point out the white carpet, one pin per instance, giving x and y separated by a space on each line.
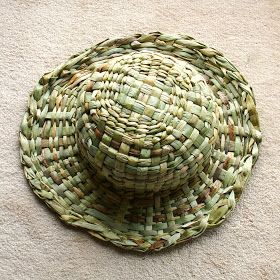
37 35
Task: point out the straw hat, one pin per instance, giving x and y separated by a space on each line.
144 141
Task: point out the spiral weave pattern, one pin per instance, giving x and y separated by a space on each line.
145 141
145 121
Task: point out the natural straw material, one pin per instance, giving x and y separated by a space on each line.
145 141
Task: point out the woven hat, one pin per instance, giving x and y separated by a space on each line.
144 141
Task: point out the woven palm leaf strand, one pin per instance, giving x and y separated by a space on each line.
145 141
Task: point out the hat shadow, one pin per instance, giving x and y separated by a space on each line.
121 250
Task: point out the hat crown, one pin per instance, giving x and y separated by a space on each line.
145 121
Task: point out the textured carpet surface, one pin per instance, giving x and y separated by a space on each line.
36 36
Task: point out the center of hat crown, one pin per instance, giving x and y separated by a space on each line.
145 121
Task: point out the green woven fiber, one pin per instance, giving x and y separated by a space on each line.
145 141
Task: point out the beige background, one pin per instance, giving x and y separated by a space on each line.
36 36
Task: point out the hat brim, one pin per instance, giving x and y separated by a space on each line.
62 178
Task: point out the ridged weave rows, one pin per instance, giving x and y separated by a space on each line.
145 141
